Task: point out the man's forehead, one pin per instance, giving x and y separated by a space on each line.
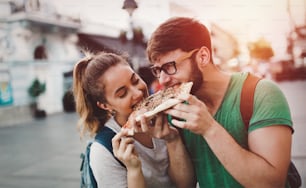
167 57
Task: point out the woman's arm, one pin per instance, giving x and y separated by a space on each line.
105 167
123 148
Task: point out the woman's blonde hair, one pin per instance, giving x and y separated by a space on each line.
88 90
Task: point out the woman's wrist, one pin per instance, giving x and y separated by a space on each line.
134 172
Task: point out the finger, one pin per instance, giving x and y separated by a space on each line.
179 113
125 141
188 98
132 122
158 126
136 127
129 151
144 122
180 124
116 139
121 147
165 124
129 155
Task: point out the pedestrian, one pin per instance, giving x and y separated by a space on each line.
224 154
106 88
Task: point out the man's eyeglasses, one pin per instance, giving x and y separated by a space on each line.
170 67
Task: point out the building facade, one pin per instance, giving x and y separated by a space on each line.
35 43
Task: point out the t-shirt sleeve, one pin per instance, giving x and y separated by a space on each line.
107 170
270 107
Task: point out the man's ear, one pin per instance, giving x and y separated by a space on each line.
103 106
203 56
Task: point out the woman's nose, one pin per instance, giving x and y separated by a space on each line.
137 93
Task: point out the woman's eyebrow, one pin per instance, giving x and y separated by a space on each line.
133 76
123 87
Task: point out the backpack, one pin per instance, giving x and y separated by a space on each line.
246 110
104 137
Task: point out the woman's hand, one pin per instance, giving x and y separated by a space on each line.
123 149
156 126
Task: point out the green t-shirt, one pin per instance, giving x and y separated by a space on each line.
270 108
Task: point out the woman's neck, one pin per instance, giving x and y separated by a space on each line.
121 120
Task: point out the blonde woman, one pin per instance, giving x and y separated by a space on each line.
106 88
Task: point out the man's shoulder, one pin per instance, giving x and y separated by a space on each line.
238 77
268 87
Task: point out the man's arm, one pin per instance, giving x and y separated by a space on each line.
265 165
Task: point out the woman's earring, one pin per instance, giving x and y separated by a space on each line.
113 112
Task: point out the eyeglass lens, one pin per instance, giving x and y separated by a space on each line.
169 68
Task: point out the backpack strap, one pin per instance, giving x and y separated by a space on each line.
247 98
104 137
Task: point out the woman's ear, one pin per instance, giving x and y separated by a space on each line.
103 106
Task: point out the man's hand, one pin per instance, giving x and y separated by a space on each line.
195 113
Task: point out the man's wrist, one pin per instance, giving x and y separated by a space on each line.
211 130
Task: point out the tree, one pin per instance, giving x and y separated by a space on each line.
35 90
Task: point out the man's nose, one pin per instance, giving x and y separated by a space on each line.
164 78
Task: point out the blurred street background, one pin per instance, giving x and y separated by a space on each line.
41 40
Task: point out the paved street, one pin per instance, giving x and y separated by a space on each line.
45 153
41 154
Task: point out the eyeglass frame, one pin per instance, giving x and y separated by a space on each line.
172 63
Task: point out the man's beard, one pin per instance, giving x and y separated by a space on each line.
196 77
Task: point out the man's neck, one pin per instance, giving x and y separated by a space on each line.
213 90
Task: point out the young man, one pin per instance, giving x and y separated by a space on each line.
224 154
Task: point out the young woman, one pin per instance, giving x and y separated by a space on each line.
106 88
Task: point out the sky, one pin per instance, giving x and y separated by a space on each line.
247 20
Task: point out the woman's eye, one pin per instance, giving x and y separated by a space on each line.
122 93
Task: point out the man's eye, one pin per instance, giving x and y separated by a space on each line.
167 66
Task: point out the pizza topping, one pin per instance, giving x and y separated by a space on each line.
163 99
159 102
158 98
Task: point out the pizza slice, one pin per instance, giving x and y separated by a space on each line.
160 101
